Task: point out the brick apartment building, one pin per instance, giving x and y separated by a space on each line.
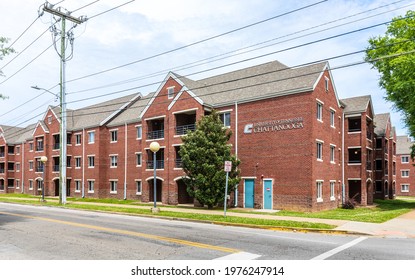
405 185
300 147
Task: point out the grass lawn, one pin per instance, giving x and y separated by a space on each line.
383 211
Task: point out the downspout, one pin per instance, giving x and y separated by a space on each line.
125 163
83 165
22 165
343 184
236 148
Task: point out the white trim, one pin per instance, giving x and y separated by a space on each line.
155 118
152 178
184 88
185 111
272 192
179 178
116 112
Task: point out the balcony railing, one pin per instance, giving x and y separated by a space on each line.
178 163
39 148
368 165
56 146
184 129
1 154
2 171
159 164
156 134
39 169
56 168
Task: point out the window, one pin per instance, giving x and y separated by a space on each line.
332 153
30 165
405 188
77 186
319 185
226 119
319 151
91 186
77 162
332 118
405 159
404 173
355 124
17 166
78 140
31 146
138 187
332 184
378 164
138 159
49 119
18 150
91 137
326 84
139 132
113 186
378 186
39 185
355 155
170 92
114 135
30 184
91 161
114 161
319 111
68 161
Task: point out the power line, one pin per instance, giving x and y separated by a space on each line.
80 8
195 43
104 12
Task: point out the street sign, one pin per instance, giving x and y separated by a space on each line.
228 166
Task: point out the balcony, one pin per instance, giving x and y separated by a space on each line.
39 148
56 168
184 129
1 170
159 164
1 154
56 146
155 134
39 169
178 163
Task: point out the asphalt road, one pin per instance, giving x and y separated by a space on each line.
46 233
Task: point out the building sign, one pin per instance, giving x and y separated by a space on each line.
274 125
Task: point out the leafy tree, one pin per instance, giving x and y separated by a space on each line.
3 52
393 55
204 153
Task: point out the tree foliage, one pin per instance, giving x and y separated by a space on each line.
203 153
3 52
393 55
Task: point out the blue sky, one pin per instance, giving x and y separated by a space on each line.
143 29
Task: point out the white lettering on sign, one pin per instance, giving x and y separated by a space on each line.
275 125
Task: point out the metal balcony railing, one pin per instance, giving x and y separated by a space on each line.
184 129
39 169
156 134
56 168
2 171
178 163
1 154
56 146
159 164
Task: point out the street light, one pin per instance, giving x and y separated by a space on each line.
154 147
54 94
43 159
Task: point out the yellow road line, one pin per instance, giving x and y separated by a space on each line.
130 233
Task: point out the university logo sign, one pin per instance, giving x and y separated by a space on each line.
274 125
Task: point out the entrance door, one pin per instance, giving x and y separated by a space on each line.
249 193
267 194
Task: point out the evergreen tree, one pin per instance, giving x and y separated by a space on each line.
204 152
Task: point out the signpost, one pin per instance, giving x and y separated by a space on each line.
228 168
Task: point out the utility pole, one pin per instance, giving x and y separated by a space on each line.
65 36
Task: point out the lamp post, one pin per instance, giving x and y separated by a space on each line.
154 147
43 159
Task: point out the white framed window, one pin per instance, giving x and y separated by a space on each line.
39 185
138 187
404 173
405 159
30 164
31 146
139 159
113 161
17 184
225 117
404 187
332 190
78 186
319 146
91 137
78 162
114 136
319 190
49 119
91 161
78 139
319 111
170 92
326 83
332 153
139 132
91 186
113 186
332 118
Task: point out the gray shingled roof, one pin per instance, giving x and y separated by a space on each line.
356 104
17 135
132 113
261 81
403 145
381 122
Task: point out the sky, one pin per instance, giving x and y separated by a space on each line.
131 48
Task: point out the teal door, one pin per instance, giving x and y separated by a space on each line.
267 194
249 193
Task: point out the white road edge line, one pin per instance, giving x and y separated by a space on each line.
339 249
239 256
